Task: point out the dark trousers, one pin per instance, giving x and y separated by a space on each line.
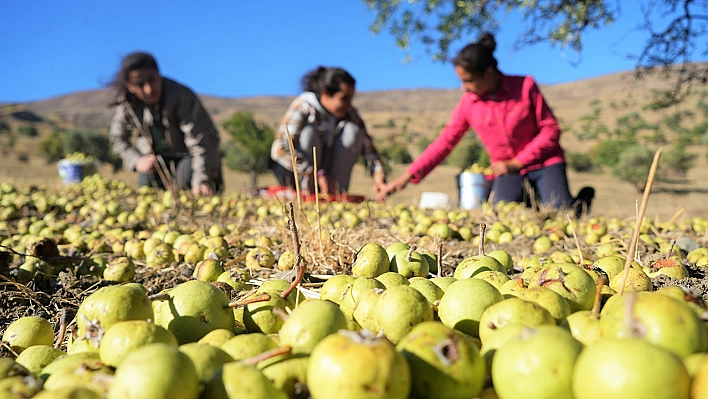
182 176
550 184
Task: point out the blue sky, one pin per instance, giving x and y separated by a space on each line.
243 48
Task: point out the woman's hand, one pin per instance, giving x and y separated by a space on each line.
506 167
396 185
146 163
203 189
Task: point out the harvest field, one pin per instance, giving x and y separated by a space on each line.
75 255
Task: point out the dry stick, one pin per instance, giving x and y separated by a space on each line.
296 249
294 164
439 259
628 315
62 329
595 311
642 211
159 297
482 233
638 222
674 218
252 361
317 199
575 236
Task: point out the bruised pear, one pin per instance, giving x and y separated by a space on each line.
371 261
239 380
444 362
347 365
671 267
155 371
615 368
110 305
463 303
409 307
28 331
335 288
125 336
260 257
309 323
237 279
195 308
541 361
636 281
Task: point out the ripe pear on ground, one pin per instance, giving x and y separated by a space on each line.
636 281
584 325
346 365
443 282
410 263
351 297
125 336
409 307
503 257
512 311
208 270
389 279
479 263
335 288
615 368
236 278
671 267
311 322
19 387
92 375
195 308
371 261
37 357
155 371
286 261
659 319
28 331
84 359
693 362
286 371
280 285
541 361
260 257
444 362
555 304
569 281
110 305
238 380
463 303
496 339
248 345
396 247
68 393
364 310
430 291
217 337
493 277
259 316
207 359
611 265
513 288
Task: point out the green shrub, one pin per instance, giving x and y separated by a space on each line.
466 152
633 165
423 143
676 161
27 131
250 148
52 146
395 152
607 153
579 161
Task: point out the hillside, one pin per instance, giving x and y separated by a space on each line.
409 114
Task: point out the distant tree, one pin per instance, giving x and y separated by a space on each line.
607 153
4 127
27 131
423 143
249 150
633 165
579 161
52 146
675 30
61 142
676 161
467 152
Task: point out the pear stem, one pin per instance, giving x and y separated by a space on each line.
439 259
159 297
260 298
62 330
296 249
410 253
671 249
640 216
482 233
595 311
252 361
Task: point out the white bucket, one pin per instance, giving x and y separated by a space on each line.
473 188
73 172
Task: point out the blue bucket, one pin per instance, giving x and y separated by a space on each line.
474 189
73 172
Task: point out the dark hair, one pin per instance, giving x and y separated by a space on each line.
131 62
326 80
477 57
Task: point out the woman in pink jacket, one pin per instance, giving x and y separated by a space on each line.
514 123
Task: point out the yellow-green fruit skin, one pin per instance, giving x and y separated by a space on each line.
28 331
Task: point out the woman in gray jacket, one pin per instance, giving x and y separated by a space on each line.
323 117
177 143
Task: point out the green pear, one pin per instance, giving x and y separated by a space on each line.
208 270
239 380
89 374
611 265
217 337
155 371
430 291
444 362
19 387
512 311
309 323
259 316
493 277
195 308
432 260
409 307
503 257
568 280
28 331
541 362
513 288
636 281
443 282
286 372
68 393
8 368
615 368
396 247
469 267
335 288
207 359
125 336
73 362
555 304
364 310
463 303
389 279
37 357
693 362
371 261
279 285
286 261
347 365
237 279
360 285
120 270
498 338
247 345
410 263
